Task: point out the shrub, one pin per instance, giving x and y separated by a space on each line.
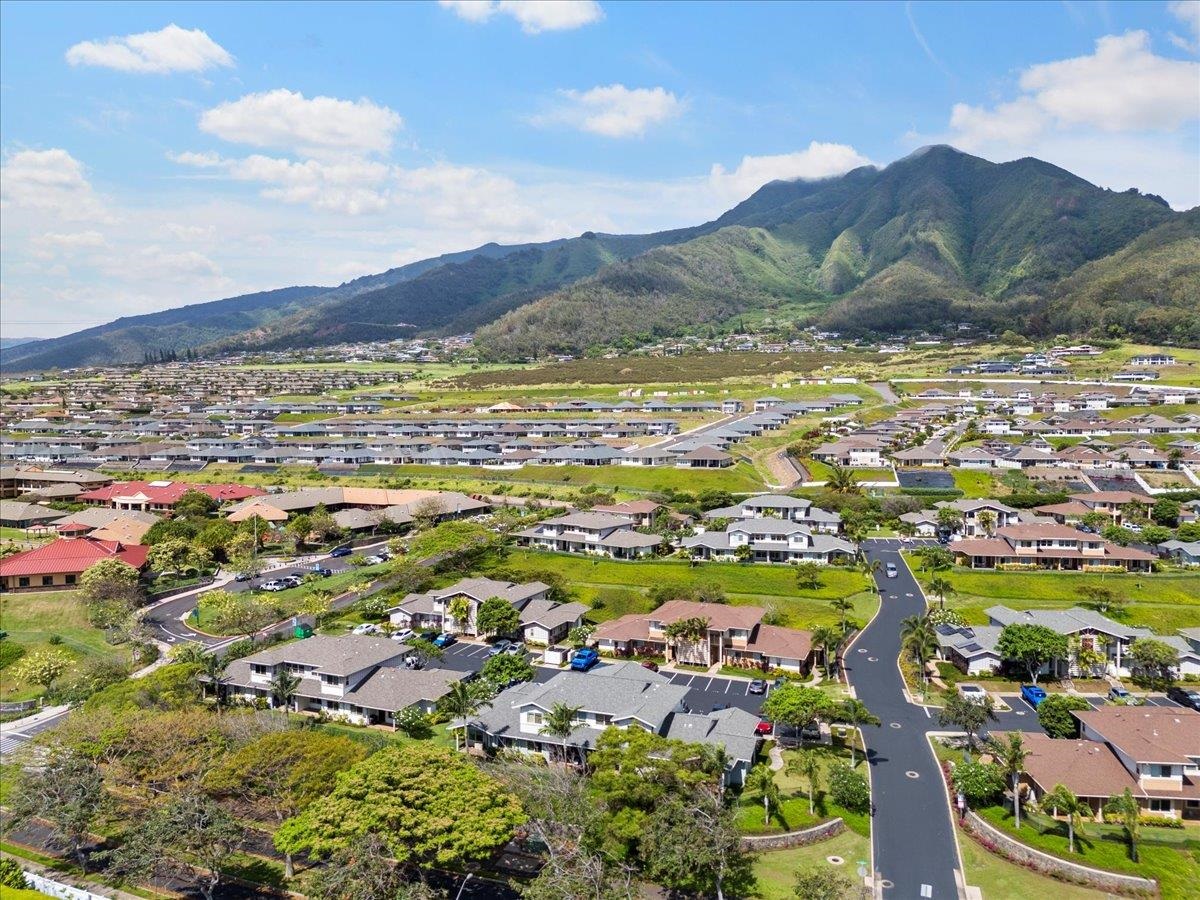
849 789
980 783
11 875
10 653
1054 714
414 723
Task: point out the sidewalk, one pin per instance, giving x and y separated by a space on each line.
48 712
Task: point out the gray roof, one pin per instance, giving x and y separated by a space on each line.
590 520
333 655
549 614
731 728
1065 621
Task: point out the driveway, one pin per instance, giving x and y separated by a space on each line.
915 853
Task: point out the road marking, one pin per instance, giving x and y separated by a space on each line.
690 680
708 686
927 715
894 725
927 890
728 684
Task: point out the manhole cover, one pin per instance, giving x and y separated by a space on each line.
886 884
1020 712
912 774
872 659
862 650
835 860
908 595
894 725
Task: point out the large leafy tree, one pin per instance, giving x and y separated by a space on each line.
1032 646
1153 662
497 616
67 791
692 844
821 883
798 706
110 592
278 775
428 805
503 668
194 504
1054 714
967 714
364 872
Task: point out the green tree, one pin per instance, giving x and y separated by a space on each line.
842 480
110 592
423 650
1165 512
849 789
580 635
462 701
941 588
427 804
842 605
693 845
807 765
1032 646
364 872
67 791
980 783
459 609
561 722
950 518
1010 753
1152 662
278 775
854 712
967 714
808 575
760 781
798 706
40 667
498 671
1054 714
188 838
1125 807
497 616
284 688
827 639
194 504
821 883
1061 801
919 640
175 556
1101 598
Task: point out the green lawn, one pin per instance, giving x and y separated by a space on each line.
1164 602
33 619
622 585
775 871
792 813
974 483
1176 868
1000 879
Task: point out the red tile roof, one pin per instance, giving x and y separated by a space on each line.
67 555
169 492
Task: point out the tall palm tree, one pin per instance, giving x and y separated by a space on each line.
1062 801
940 588
1126 807
462 701
715 758
284 687
843 605
854 712
827 638
919 640
761 781
1011 754
870 568
560 723
807 764
213 671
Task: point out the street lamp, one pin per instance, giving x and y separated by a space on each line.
862 876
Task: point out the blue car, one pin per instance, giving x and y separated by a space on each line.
341 551
444 640
584 659
1032 694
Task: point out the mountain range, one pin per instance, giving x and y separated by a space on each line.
937 237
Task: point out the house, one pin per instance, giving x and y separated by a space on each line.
16 481
864 452
356 678
602 534
924 523
396 505
161 496
643 512
1048 546
1153 359
1086 630
972 648
704 457
1185 553
19 514
769 540
781 506
543 621
618 695
735 636
977 513
59 563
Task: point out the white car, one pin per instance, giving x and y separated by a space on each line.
274 586
402 635
973 692
891 570
365 628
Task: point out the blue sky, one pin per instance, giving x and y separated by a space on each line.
158 154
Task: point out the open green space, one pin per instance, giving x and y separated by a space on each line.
974 483
55 619
999 879
776 870
623 584
792 814
1162 601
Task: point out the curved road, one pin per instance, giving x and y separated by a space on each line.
915 854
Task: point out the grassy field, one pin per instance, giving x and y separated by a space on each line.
33 619
974 483
1163 602
623 585
776 870
1000 879
792 814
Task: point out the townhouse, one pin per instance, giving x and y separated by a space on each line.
769 541
161 496
781 506
354 678
732 636
595 533
1048 546
618 695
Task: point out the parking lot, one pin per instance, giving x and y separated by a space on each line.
705 692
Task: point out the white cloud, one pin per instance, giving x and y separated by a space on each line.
52 243
818 160
173 49
52 181
1187 12
288 120
614 110
534 16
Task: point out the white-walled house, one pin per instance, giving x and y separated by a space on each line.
599 534
781 506
770 540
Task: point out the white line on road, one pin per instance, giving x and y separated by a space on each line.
927 715
708 687
728 684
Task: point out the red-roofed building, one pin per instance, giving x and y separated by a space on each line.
161 496
60 563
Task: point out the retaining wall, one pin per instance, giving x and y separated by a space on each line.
794 838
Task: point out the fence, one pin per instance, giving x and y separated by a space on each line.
49 886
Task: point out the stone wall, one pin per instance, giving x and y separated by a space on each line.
1009 847
812 835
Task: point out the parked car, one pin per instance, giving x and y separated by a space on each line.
273 585
891 570
1189 697
1122 696
402 635
758 686
1032 694
242 576
365 628
322 573
444 640
650 664
584 659
499 647
973 692
515 649
374 560
764 728
412 662
340 551
291 581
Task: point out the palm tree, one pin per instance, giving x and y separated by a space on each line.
843 605
560 723
854 712
987 521
462 701
842 480
940 588
1126 807
715 758
1011 754
918 638
213 672
284 687
761 781
1063 801
870 568
827 638
807 764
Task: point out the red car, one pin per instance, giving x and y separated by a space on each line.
764 728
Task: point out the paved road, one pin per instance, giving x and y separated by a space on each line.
884 390
915 852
